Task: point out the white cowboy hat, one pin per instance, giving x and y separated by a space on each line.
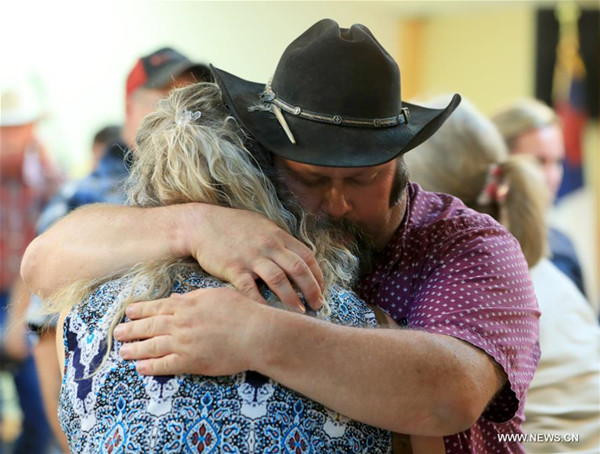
19 105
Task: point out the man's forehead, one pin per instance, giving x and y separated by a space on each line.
302 168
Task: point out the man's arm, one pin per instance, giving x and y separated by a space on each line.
234 245
98 240
405 381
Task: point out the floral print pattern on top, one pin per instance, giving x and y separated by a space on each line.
113 409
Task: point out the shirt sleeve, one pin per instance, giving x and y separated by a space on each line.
58 207
37 319
476 287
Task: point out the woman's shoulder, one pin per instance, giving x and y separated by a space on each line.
190 280
115 291
102 300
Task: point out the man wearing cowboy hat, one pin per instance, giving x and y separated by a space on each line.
333 119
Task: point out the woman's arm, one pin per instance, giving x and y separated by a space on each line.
427 445
49 374
233 245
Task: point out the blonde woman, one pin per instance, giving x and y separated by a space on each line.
191 150
469 159
529 127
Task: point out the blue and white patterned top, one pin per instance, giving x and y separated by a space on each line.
118 410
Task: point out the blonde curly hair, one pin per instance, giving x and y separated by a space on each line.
191 150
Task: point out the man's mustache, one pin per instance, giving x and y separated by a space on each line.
340 228
351 235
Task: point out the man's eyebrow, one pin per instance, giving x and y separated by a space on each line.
367 173
305 172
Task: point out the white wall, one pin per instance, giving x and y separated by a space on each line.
486 57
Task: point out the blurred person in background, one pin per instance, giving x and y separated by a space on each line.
468 158
103 139
150 80
28 178
530 127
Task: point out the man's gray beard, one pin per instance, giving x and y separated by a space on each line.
343 231
353 236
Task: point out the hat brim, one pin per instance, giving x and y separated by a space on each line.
19 117
324 144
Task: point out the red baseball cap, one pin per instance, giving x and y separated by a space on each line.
159 68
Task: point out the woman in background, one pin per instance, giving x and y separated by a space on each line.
530 127
468 158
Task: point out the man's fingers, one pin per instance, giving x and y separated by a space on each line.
167 365
307 256
246 284
154 347
301 274
142 329
144 309
278 281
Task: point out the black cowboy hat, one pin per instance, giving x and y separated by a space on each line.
334 100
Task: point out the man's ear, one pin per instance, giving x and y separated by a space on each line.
128 133
128 105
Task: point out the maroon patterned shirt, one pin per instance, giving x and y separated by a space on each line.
453 271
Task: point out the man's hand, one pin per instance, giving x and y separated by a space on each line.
234 245
446 383
207 332
239 246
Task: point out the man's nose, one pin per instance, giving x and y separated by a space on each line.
336 204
